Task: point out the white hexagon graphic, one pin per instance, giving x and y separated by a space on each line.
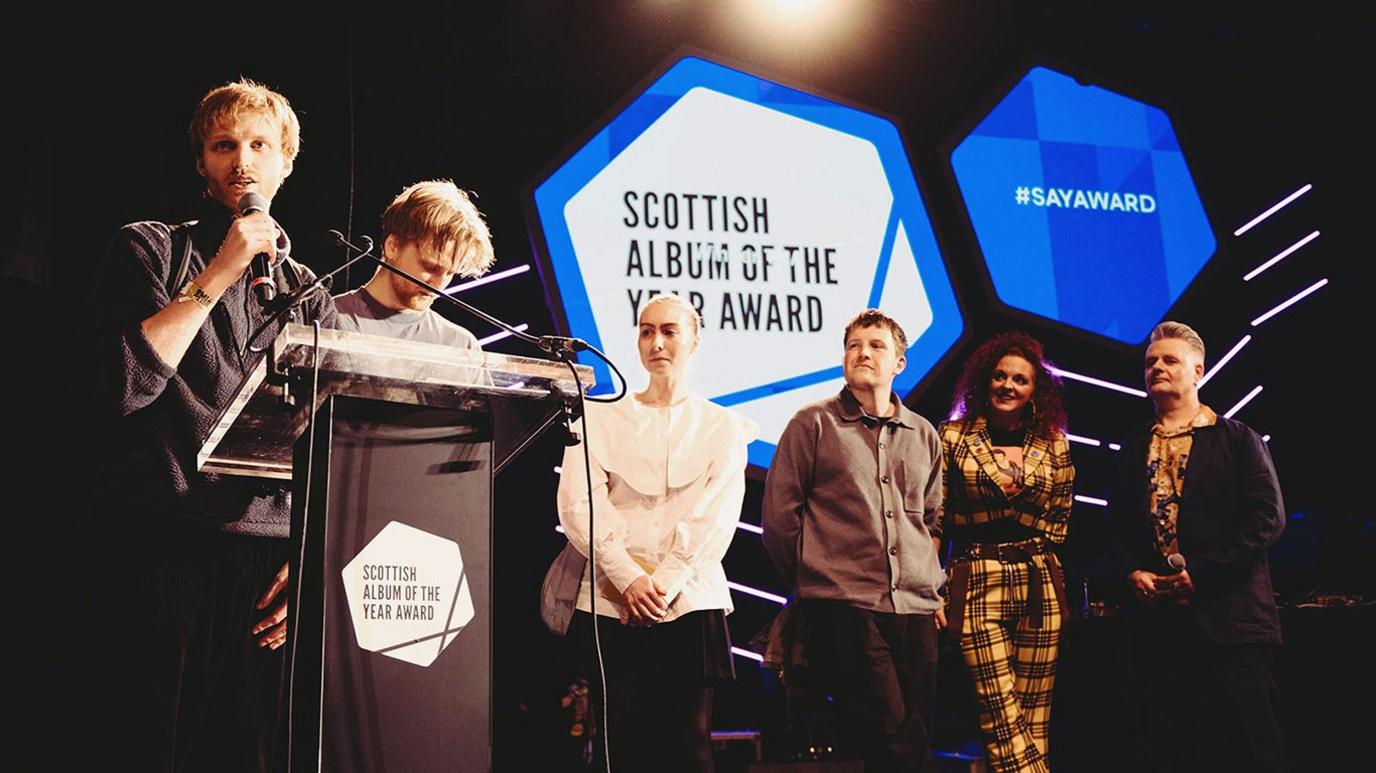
407 593
778 213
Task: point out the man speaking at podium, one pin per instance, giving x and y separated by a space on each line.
198 560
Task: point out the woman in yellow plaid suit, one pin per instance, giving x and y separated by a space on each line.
1008 493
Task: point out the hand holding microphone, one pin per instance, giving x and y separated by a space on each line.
262 284
251 238
1177 582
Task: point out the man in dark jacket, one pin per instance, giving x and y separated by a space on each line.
1195 506
198 561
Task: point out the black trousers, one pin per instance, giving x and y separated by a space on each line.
880 670
659 688
1202 705
187 686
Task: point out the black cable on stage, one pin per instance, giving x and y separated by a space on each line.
353 137
592 565
301 558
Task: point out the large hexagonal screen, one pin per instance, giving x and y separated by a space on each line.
1083 206
777 213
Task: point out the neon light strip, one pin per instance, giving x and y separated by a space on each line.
1296 299
1099 382
1114 447
499 336
1089 441
1280 256
1243 402
1091 500
766 595
558 470
1237 347
1266 438
1273 210
500 275
747 654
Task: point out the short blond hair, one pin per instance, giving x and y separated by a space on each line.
234 99
1179 331
437 212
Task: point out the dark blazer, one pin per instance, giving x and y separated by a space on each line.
1230 514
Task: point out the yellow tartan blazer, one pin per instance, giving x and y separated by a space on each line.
973 494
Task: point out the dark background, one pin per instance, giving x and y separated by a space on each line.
1263 98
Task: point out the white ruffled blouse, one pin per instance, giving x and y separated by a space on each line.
668 485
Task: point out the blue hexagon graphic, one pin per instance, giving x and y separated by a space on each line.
1083 206
797 212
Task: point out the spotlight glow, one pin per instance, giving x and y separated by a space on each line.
784 23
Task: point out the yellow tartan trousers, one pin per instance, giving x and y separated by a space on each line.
1012 665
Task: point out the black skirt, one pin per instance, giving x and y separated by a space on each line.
692 649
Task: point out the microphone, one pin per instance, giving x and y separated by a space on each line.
1176 562
295 297
262 284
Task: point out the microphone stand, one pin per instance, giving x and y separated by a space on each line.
287 302
561 348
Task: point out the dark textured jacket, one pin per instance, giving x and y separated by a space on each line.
153 418
1230 514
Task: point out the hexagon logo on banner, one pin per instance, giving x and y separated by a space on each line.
408 597
1083 206
777 213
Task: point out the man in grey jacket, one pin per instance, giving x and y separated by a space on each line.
851 519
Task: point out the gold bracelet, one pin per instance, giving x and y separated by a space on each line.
193 292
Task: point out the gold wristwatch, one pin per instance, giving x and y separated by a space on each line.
193 292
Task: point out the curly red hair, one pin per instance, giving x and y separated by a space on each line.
971 398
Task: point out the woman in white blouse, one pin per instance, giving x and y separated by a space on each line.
667 469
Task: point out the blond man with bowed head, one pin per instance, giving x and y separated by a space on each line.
1195 504
200 559
666 468
851 512
433 232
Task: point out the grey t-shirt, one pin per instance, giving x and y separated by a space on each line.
361 312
